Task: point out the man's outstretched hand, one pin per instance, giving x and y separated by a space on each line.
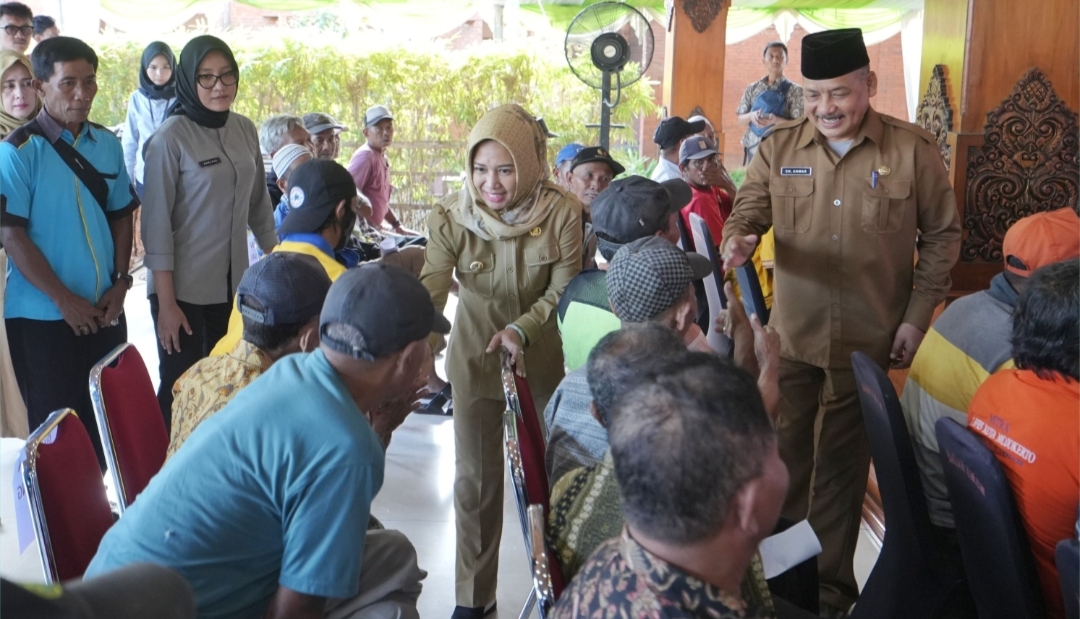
738 250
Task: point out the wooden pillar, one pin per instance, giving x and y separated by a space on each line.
694 59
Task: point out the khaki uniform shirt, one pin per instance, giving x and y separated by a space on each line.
845 278
518 280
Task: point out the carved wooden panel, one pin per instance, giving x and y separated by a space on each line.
935 114
702 12
1027 165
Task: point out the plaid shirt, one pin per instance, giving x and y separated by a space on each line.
624 580
208 386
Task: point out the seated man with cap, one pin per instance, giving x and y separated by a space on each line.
970 341
323 211
698 159
629 209
560 172
265 509
650 280
669 136
325 134
589 173
279 298
370 169
284 161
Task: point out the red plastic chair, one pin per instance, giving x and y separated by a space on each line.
129 418
68 506
525 450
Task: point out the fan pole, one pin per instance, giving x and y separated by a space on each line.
605 111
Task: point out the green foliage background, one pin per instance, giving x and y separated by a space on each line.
436 95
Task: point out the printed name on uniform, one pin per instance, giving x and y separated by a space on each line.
209 162
796 171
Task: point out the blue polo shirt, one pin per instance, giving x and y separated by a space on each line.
40 193
275 488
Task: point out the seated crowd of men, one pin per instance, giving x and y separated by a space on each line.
666 459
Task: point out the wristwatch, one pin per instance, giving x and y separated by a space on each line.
116 277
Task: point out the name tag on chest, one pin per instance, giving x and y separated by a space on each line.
210 162
796 171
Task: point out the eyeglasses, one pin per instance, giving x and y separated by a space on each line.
209 80
23 30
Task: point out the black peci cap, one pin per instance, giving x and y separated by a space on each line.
832 53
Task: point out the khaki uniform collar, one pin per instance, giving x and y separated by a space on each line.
872 128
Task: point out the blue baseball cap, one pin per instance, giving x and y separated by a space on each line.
567 153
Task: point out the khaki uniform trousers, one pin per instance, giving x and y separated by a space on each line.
478 493
824 445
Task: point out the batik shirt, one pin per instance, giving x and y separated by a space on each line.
792 110
208 386
624 580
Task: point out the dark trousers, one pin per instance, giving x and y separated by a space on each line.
52 367
209 323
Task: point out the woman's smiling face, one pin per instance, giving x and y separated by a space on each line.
494 175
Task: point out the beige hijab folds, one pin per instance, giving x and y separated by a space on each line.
9 123
514 128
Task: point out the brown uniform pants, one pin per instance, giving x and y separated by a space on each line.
824 445
478 494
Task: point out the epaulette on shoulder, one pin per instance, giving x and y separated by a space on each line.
21 136
916 129
783 126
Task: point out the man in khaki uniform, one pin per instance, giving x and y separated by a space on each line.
850 194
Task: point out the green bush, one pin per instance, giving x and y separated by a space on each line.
436 95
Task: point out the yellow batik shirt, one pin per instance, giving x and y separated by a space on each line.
209 385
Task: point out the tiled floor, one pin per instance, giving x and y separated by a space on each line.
417 495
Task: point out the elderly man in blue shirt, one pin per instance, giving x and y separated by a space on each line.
65 219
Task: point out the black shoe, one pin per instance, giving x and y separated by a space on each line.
478 612
437 404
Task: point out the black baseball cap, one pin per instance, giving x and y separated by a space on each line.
289 288
673 129
635 207
376 310
315 188
596 153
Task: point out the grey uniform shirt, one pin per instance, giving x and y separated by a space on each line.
144 116
202 189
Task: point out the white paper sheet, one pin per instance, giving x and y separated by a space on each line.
783 551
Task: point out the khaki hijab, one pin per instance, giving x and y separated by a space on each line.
9 123
514 128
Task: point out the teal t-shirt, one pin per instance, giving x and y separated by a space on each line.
276 488
585 316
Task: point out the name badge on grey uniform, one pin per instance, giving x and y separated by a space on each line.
210 162
796 171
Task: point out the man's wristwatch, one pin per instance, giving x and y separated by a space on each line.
116 277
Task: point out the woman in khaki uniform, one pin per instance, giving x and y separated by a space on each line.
514 241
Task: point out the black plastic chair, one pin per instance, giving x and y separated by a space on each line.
997 558
1067 558
714 285
908 580
752 296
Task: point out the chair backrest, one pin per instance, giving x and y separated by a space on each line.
1001 573
132 430
1067 558
542 565
714 285
530 437
904 582
752 296
68 505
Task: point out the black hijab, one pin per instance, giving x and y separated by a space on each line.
149 88
187 98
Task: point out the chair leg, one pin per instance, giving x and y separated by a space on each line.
529 603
